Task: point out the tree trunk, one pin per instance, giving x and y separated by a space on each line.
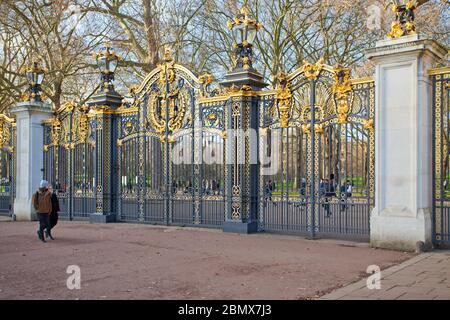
150 35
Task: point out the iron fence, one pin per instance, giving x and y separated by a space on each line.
166 154
441 170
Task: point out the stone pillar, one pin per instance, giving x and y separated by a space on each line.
401 218
29 155
104 105
241 153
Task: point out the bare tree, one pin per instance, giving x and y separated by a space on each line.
63 34
47 32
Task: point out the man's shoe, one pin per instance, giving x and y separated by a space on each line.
41 236
50 235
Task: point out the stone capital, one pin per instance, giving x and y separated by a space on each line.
32 108
394 49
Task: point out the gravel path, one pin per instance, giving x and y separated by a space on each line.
128 261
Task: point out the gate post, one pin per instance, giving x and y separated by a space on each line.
242 153
242 122
403 142
29 154
104 104
241 150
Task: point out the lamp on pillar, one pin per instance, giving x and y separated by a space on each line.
107 61
29 113
402 87
35 76
242 82
106 97
244 28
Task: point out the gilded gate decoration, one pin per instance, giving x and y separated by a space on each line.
7 168
404 18
342 94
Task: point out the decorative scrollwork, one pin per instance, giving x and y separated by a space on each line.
81 131
213 117
368 124
306 128
342 91
177 102
284 100
5 134
172 95
318 128
312 71
55 134
205 81
167 68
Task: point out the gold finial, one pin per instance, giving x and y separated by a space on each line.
244 17
34 66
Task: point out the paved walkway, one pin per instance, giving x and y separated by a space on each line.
424 277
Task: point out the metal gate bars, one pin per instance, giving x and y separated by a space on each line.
7 168
318 140
163 137
69 159
441 190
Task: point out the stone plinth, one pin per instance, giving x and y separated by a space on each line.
403 142
30 154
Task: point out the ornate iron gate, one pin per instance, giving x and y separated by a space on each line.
162 137
167 152
441 143
317 134
69 158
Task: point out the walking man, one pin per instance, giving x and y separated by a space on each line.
42 203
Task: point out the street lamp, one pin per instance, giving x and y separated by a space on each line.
107 61
35 76
244 28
